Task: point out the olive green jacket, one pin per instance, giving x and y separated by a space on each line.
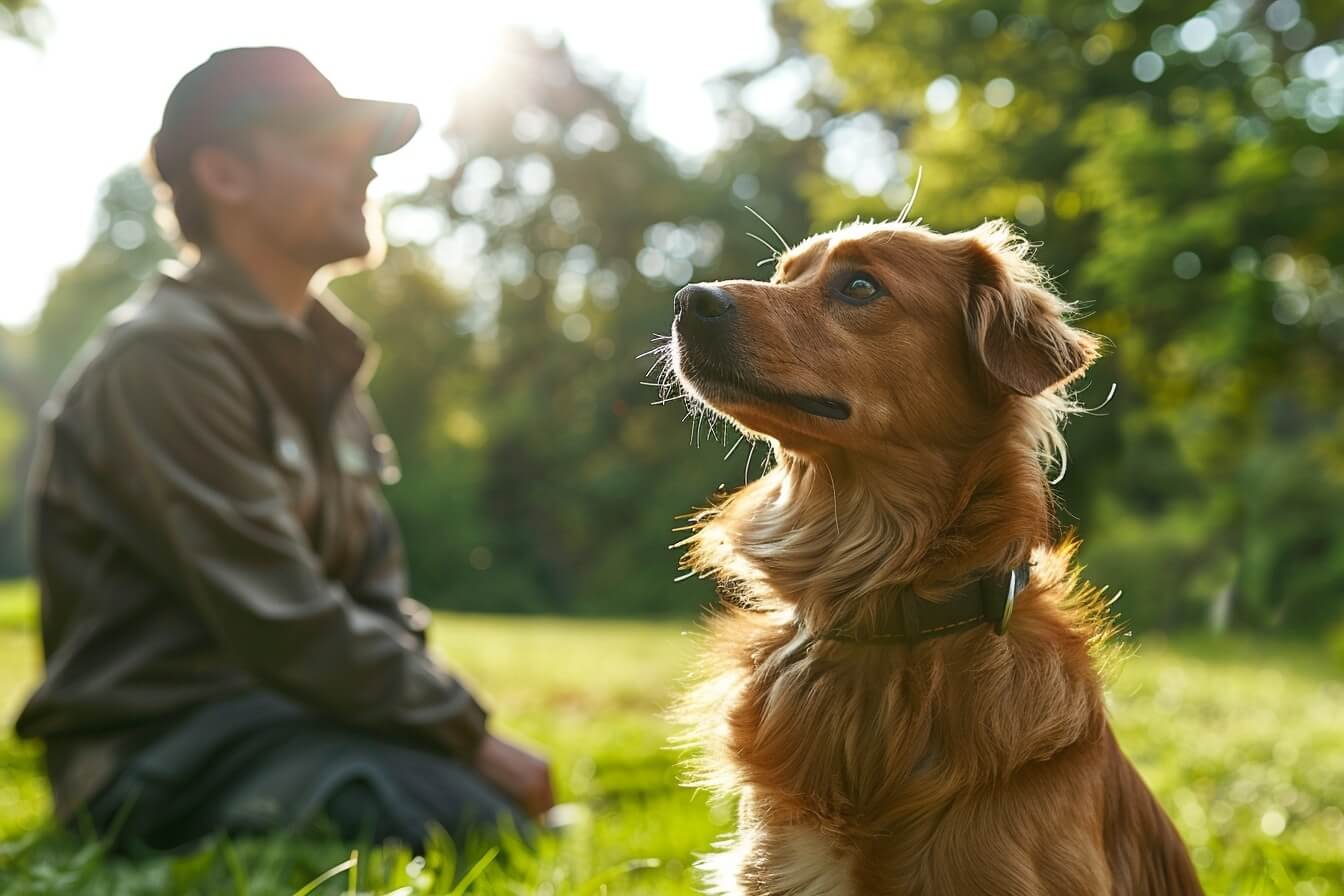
208 520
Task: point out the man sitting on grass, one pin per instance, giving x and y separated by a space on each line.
228 642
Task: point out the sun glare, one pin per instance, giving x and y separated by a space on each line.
433 54
429 55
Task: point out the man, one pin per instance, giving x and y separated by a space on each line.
228 643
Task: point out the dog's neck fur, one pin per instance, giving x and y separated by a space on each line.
820 541
831 535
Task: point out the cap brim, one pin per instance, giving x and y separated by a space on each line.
393 124
389 126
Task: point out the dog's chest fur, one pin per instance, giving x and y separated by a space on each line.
793 861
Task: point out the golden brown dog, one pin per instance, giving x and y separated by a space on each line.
911 385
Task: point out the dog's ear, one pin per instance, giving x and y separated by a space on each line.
1015 324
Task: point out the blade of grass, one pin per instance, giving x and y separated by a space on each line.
476 871
324 877
235 868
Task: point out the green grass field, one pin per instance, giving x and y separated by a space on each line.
1240 740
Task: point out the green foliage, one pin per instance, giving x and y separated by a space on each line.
126 248
12 427
1237 737
1335 644
18 606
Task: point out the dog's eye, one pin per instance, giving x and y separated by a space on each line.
860 289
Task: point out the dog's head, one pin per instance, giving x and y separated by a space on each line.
877 333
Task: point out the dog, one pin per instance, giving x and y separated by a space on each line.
904 690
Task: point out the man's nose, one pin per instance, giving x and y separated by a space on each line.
703 300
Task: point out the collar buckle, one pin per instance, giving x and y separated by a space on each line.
1001 624
1017 580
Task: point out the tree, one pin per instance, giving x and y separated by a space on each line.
126 248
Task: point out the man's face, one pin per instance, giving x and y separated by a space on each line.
306 193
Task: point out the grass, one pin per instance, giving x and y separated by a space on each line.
1239 739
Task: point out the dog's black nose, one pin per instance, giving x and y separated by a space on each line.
704 300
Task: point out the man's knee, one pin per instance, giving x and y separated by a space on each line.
417 793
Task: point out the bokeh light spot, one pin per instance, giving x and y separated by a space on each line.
1186 265
1148 66
999 92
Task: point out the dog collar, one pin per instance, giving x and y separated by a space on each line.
910 618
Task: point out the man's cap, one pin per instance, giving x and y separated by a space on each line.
246 87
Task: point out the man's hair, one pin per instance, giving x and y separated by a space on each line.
190 212
183 199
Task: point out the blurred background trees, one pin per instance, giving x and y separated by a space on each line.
1179 163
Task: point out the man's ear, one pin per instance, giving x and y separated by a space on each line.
221 175
1015 325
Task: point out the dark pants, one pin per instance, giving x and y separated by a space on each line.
260 764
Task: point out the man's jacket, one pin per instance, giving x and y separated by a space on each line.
208 521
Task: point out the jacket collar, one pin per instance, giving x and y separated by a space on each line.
339 336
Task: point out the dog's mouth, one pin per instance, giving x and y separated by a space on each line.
727 386
833 408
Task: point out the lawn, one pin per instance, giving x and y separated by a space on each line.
1241 740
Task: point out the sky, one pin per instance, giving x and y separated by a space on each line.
91 97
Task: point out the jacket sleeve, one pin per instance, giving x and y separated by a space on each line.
381 583
182 422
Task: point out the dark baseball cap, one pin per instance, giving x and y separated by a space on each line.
245 87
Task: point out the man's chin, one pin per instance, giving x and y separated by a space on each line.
350 255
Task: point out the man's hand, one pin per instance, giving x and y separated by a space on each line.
521 775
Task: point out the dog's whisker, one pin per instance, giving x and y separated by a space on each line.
772 259
1106 401
783 242
761 240
910 203
746 471
735 444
